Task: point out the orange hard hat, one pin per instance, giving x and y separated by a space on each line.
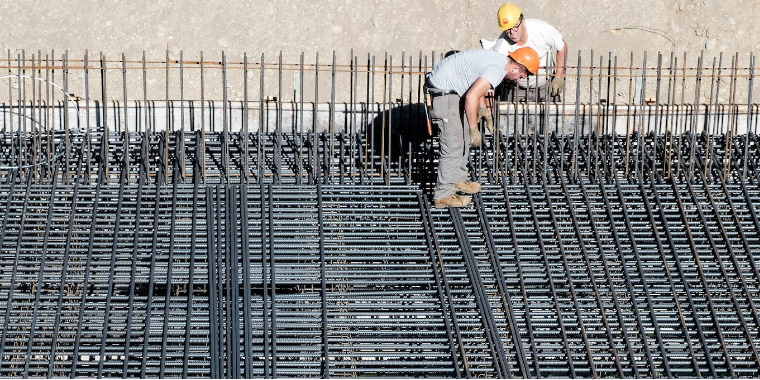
507 15
527 57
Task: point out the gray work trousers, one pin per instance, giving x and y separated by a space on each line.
454 133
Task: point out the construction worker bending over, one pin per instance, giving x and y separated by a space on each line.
457 84
517 32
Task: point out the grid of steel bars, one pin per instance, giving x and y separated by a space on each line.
316 253
336 118
608 276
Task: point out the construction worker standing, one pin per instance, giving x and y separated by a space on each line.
457 84
517 32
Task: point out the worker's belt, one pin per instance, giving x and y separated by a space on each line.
433 91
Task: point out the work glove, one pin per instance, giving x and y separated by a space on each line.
557 86
484 113
475 137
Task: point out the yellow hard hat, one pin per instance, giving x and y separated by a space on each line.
508 15
526 57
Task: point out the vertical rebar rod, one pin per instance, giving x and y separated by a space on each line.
612 96
331 123
366 130
750 83
577 126
695 118
497 136
278 125
731 130
260 148
125 143
20 130
10 99
34 120
300 124
353 133
536 117
316 167
225 124
179 139
400 100
630 126
515 139
145 130
682 120
23 109
417 120
182 91
589 168
245 134
600 126
670 109
658 84
169 126
643 121
202 141
611 147
712 111
49 119
386 130
104 144
371 147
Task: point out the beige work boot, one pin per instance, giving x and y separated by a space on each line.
453 200
468 187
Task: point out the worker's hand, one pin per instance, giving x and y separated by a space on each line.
474 137
557 85
484 113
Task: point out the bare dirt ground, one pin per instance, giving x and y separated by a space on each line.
374 26
623 29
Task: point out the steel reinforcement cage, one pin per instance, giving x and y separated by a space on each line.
53 105
195 236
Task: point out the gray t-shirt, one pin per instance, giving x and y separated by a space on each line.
459 71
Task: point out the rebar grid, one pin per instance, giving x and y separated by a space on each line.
554 274
177 248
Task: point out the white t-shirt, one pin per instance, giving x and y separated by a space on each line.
542 37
